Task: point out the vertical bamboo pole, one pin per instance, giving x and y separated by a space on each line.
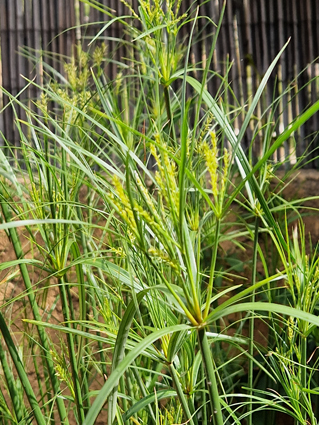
12 64
4 68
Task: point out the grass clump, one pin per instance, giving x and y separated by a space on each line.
124 195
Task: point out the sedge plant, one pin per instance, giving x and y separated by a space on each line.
124 195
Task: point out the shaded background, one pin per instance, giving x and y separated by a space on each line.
252 33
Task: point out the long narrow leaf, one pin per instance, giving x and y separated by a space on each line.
21 372
122 367
141 404
258 94
280 309
119 349
244 167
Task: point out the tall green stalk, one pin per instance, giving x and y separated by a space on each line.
252 326
212 269
72 352
170 122
39 417
204 396
181 395
17 408
140 383
36 314
303 373
211 381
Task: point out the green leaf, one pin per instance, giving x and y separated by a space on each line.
22 373
244 167
258 94
119 349
118 18
221 118
175 343
262 306
15 263
148 400
25 223
122 367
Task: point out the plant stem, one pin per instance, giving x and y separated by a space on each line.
36 314
39 380
212 269
252 328
303 372
17 410
72 355
143 391
169 114
124 401
204 410
210 377
181 395
21 372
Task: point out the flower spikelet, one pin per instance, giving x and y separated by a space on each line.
99 54
306 265
146 217
211 157
308 296
127 4
290 328
159 174
61 370
297 282
148 199
171 183
165 177
204 132
225 171
124 207
163 258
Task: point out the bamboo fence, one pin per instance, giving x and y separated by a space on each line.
252 33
